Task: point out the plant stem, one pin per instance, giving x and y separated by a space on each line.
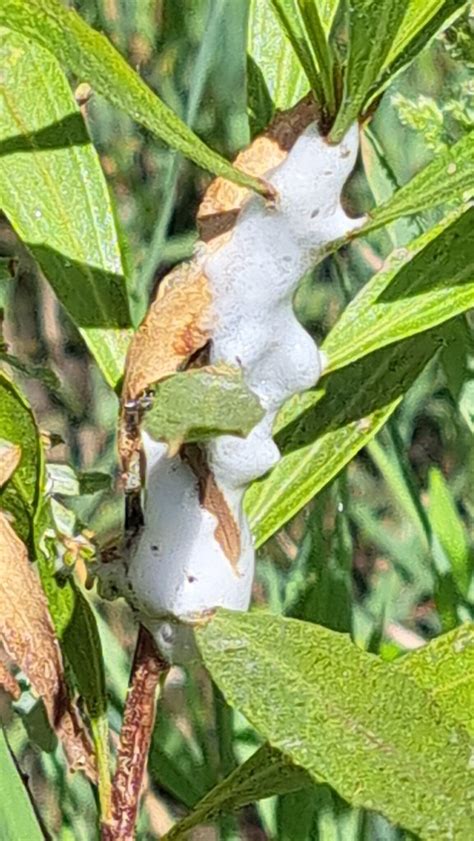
135 737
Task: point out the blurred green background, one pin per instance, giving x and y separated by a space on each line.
374 554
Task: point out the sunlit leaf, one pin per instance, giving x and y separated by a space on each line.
17 817
322 430
422 21
93 59
275 58
372 27
447 180
202 403
371 732
444 669
53 191
420 286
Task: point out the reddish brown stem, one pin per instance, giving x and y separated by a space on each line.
135 737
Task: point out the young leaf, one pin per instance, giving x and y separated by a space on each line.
347 717
17 817
276 59
28 636
290 22
202 403
266 773
420 286
327 427
54 193
372 26
447 180
317 37
93 59
420 24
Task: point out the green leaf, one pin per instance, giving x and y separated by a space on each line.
447 180
444 669
347 717
420 286
54 193
325 428
17 817
372 27
266 773
273 54
291 24
83 648
450 529
317 37
422 21
201 403
20 495
93 59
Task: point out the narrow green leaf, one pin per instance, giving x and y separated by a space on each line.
201 403
290 22
327 427
420 286
445 669
54 193
450 529
276 59
372 27
346 716
315 32
266 773
93 59
17 818
422 21
83 648
447 180
20 495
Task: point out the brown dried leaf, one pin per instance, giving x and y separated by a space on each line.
175 327
10 455
29 639
8 682
227 532
223 200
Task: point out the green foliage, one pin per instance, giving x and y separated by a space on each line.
330 707
202 403
17 817
94 59
54 193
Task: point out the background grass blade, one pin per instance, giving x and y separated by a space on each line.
17 817
347 717
327 427
53 191
317 37
93 59
372 27
434 282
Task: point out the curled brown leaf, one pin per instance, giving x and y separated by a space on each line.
10 455
29 639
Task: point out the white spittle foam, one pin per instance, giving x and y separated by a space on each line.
179 569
